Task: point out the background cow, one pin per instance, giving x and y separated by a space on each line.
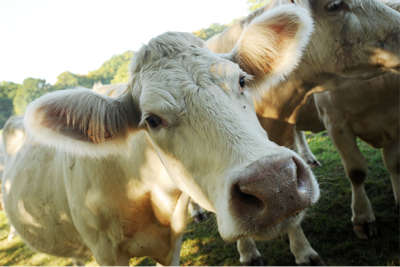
181 92
369 110
352 38
365 44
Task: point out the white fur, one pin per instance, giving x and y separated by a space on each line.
290 57
48 137
209 136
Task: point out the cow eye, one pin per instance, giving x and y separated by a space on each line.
242 81
335 6
153 121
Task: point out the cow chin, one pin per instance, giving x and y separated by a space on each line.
271 232
259 231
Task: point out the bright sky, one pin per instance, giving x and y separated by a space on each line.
43 38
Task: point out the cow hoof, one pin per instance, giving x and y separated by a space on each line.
366 230
314 163
255 262
314 260
200 217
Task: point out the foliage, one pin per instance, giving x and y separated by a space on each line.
122 74
8 91
114 70
15 97
69 80
256 4
327 225
106 73
31 88
209 32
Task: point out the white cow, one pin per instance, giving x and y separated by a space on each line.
352 38
13 137
2 157
115 90
185 128
369 110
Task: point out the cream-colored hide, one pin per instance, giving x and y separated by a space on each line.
355 38
184 128
346 41
369 110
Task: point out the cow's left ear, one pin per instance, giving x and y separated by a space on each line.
82 122
272 44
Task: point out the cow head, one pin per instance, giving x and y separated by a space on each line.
196 112
352 38
355 38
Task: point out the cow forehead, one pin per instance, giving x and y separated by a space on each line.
190 71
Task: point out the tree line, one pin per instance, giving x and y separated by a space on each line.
14 97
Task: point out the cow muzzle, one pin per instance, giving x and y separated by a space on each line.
269 191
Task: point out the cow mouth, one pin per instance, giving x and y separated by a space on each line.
269 232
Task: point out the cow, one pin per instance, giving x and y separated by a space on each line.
352 38
346 42
369 110
13 137
112 90
2 157
184 128
395 4
115 90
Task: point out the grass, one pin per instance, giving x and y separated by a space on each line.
327 225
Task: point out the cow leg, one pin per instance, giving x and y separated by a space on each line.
301 248
178 225
12 234
249 254
77 262
391 158
301 147
108 254
356 170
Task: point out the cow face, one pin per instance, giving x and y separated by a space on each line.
195 110
353 37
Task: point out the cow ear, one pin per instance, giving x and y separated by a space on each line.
83 122
395 4
272 44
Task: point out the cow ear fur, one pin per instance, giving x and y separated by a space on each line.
81 121
271 46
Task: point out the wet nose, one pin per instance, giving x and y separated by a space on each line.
272 189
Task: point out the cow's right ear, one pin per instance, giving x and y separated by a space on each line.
272 44
83 122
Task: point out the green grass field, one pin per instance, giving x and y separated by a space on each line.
327 225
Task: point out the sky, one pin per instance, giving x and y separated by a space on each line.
43 38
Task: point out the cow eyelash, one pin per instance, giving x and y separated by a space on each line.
335 6
153 121
243 81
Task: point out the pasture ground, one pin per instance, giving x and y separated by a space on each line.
327 225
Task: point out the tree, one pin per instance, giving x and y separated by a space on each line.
7 93
122 75
209 32
106 73
66 80
31 89
256 4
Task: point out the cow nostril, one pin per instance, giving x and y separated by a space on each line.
301 177
246 201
